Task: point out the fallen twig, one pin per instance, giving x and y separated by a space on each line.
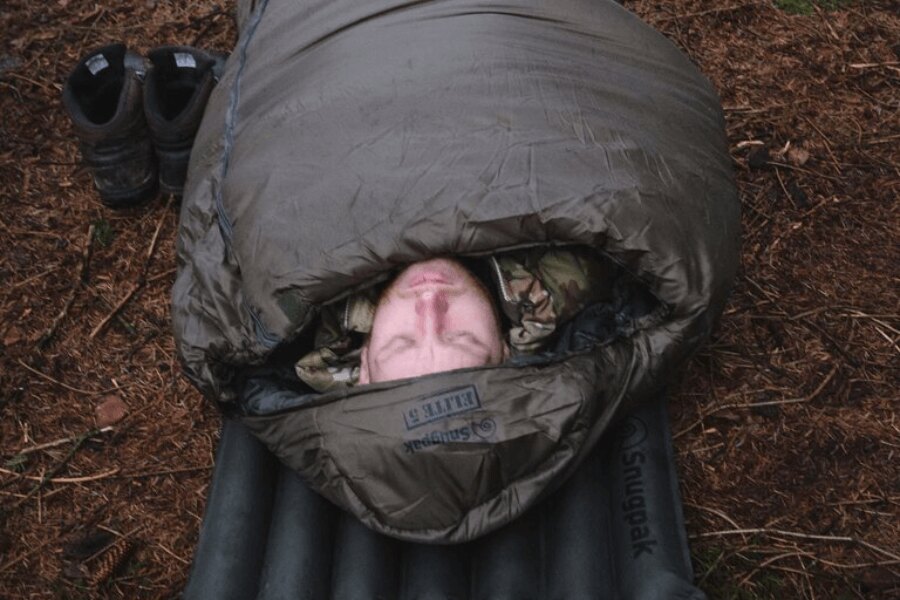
885 140
787 195
203 32
834 344
162 275
115 310
14 561
81 439
890 340
858 314
889 63
52 444
802 170
67 386
164 472
19 284
768 562
751 405
799 535
155 238
714 511
50 91
711 11
172 554
142 278
195 21
55 480
82 277
125 324
45 497
834 160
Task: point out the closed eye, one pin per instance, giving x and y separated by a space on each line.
466 338
396 344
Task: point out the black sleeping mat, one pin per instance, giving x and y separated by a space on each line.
615 530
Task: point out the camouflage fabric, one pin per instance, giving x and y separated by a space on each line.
334 363
538 289
542 288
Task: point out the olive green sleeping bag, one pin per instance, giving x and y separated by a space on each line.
348 139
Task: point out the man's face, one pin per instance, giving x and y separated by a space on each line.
434 317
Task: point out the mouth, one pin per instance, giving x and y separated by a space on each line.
435 273
428 275
428 278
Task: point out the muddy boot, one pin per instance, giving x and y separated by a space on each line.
177 87
103 96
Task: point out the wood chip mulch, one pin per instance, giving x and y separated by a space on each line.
785 425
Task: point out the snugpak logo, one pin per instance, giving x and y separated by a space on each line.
477 431
442 405
634 503
632 433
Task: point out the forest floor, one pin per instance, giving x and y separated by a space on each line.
785 425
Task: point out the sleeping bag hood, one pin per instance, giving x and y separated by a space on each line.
348 139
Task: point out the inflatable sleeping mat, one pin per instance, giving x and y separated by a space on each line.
613 531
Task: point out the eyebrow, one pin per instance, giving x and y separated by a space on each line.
392 341
482 352
472 340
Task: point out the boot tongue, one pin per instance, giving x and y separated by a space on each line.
184 60
106 61
96 63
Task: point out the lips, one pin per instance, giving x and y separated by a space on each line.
428 277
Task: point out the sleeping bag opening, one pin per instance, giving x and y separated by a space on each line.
551 302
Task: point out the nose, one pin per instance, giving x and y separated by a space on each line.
431 308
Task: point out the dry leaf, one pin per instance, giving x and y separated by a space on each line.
110 410
797 156
12 336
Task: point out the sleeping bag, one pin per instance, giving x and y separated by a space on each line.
348 139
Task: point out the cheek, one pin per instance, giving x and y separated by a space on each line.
477 314
390 315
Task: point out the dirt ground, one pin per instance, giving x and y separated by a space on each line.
786 430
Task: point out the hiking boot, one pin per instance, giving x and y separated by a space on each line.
103 96
177 87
